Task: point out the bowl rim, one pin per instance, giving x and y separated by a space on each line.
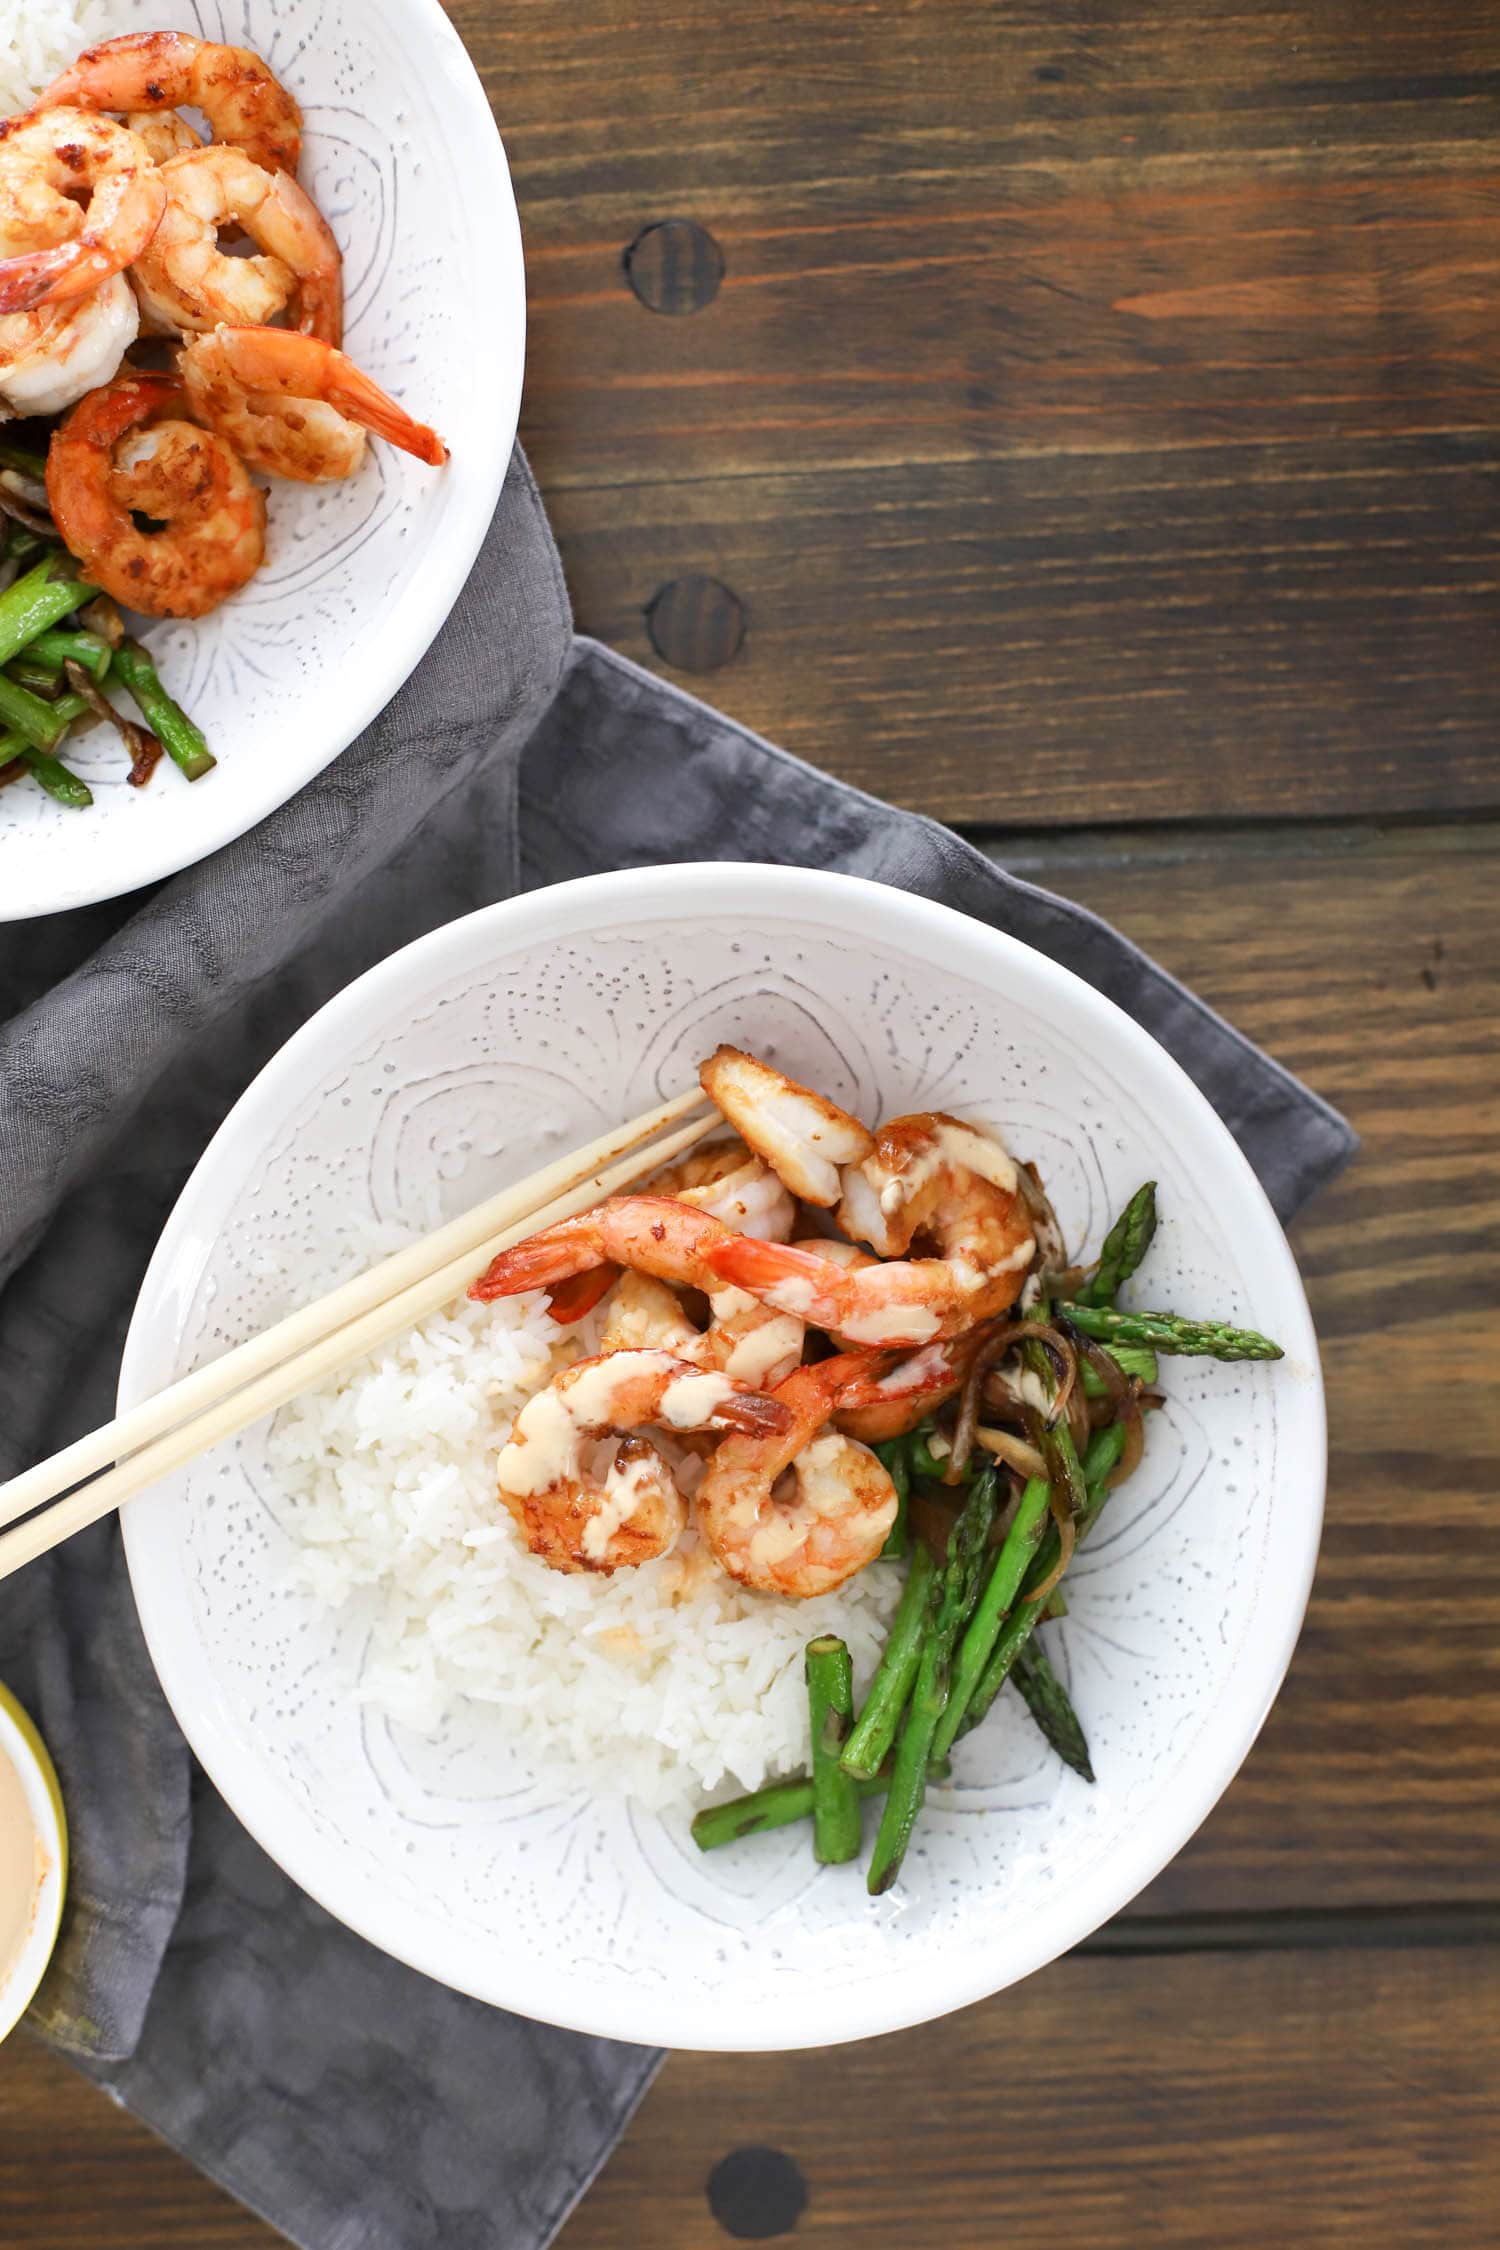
26 1751
433 595
683 892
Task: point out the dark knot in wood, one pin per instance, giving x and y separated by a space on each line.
696 624
674 266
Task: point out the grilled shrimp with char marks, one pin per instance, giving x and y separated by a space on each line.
79 199
294 406
129 449
583 1515
246 105
188 284
928 1180
800 1511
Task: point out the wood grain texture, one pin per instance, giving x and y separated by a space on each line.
1098 412
1312 2099
1225 634
1371 966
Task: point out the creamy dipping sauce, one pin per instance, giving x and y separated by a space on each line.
23 1868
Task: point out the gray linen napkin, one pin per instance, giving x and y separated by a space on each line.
347 2099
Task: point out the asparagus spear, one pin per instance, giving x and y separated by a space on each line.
776 1806
51 650
183 742
1099 1462
54 777
1131 1359
924 1462
1125 1245
1050 1705
875 1731
893 1456
953 1596
46 593
1169 1332
830 1701
1020 1546
27 715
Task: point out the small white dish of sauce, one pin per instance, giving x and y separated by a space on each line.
33 1861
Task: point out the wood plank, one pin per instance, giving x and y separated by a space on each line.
1371 965
1098 408
953 230
1318 2099
1222 634
76 2171
1323 2098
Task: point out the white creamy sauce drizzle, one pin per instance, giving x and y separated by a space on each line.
760 1349
892 1324
626 1485
691 1402
23 1868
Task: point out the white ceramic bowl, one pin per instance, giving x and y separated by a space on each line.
403 156
522 1030
23 1748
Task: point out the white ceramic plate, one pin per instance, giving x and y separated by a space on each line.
403 156
463 1062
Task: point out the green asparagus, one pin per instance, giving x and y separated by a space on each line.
53 649
776 1806
1027 1527
1100 1460
830 1702
1049 1703
183 742
890 1690
896 1460
924 1462
55 778
46 593
1169 1332
1125 1245
1136 1360
953 1597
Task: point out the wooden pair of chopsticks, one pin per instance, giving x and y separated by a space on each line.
258 1376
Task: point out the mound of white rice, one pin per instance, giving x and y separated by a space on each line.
38 38
660 1682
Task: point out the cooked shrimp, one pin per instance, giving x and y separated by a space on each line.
129 447
52 355
805 1139
889 1401
927 1178
186 281
729 1181
165 70
649 1233
57 248
293 406
163 133
744 1338
834 1517
575 1518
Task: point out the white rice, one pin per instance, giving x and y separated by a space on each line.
661 1683
38 38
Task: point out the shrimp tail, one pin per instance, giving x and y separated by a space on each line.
757 1413
38 275
571 1299
795 1281
355 394
555 1255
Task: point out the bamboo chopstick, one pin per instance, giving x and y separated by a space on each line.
216 1401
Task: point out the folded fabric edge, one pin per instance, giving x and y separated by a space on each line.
221 2168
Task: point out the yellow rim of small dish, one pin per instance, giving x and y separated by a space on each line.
32 1749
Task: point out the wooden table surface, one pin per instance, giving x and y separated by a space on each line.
1077 419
